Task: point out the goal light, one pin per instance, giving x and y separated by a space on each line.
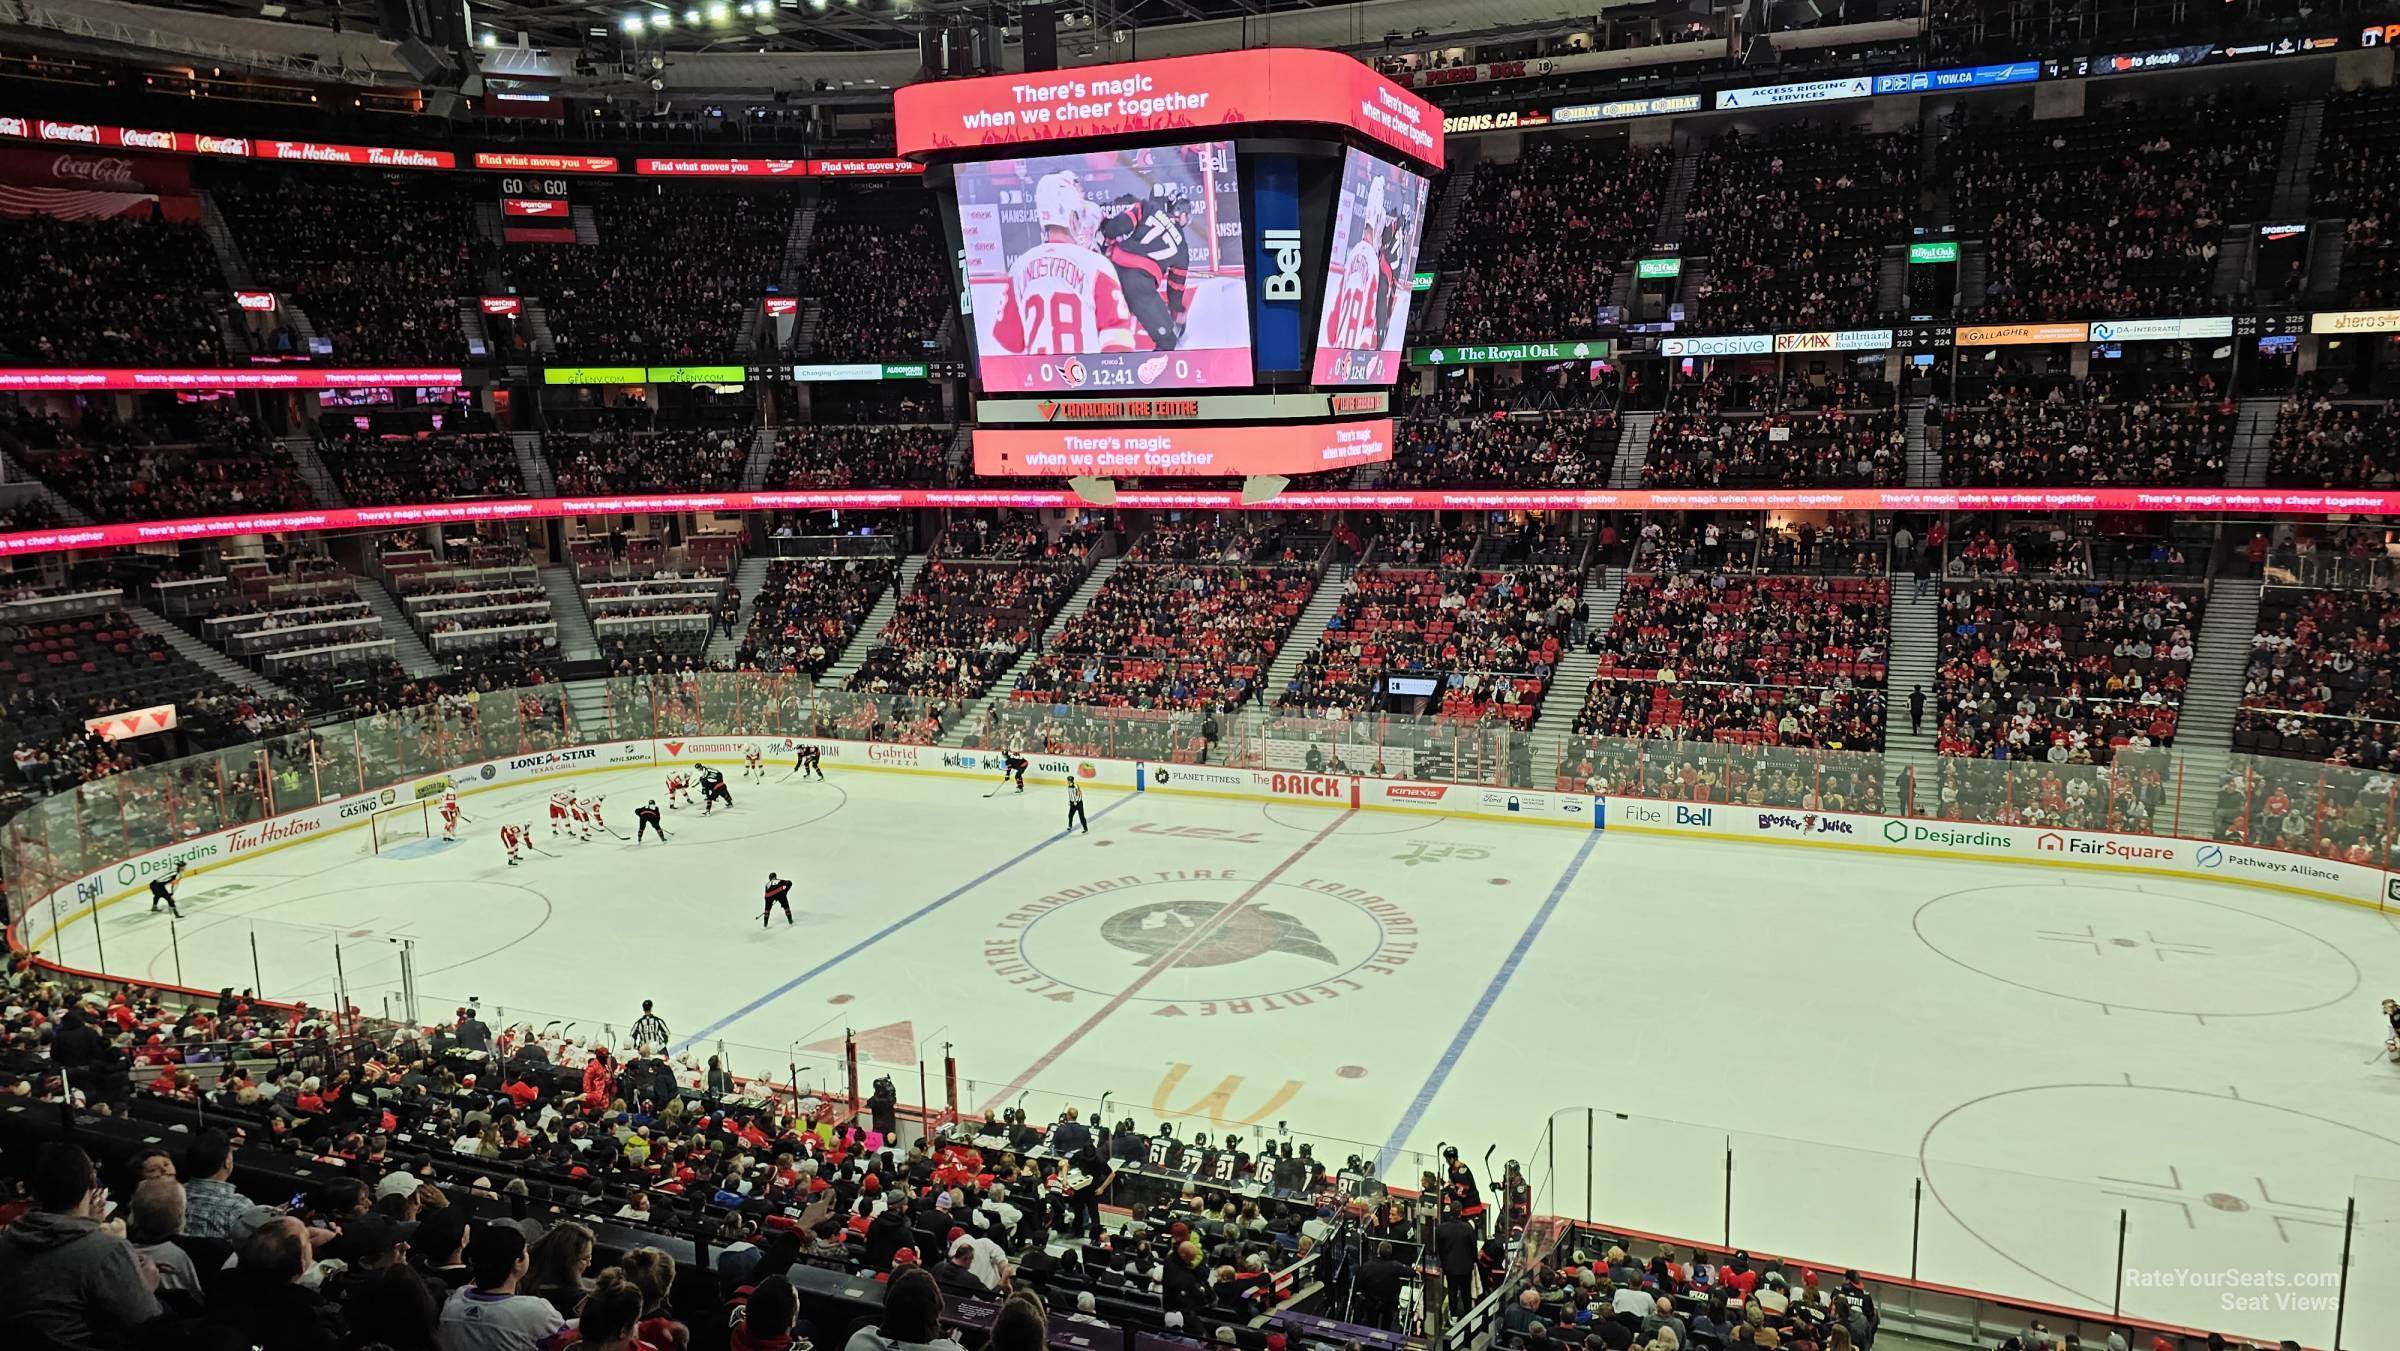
1099 492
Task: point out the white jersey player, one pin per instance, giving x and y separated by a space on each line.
592 804
561 803
1063 297
514 839
1354 319
753 764
581 811
679 790
449 813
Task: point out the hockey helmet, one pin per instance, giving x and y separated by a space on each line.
1059 203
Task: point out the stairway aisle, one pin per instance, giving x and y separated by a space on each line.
16 472
1633 448
1603 587
320 480
747 579
1308 631
2253 443
415 657
1915 657
970 723
762 456
577 639
532 466
2204 723
870 630
205 657
1924 466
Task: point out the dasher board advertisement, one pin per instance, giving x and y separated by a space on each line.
1111 270
1368 273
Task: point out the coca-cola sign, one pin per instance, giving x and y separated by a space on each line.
102 173
83 132
262 302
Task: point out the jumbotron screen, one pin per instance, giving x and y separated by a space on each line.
1367 273
1107 270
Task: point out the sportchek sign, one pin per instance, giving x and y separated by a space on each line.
1491 354
1180 94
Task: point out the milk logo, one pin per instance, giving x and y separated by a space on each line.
1283 249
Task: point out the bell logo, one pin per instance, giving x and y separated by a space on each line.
1283 250
2050 842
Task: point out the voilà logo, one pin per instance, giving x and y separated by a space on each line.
1283 250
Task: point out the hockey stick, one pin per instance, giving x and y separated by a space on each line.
539 850
614 831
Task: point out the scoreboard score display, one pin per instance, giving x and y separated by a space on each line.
1237 221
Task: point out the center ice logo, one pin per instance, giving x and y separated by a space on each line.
1162 927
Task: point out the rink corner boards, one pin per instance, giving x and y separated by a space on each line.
1903 837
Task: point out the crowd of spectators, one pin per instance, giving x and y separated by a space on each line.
1172 634
964 623
1541 239
1718 656
677 274
1494 639
202 460
2067 672
1016 537
2116 213
875 268
1494 447
2362 133
1793 222
2081 433
2319 681
807 610
842 456
377 261
1690 769
2321 443
426 467
696 460
109 291
1838 448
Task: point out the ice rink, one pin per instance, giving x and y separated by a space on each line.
2041 1049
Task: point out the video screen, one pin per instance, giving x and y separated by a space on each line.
1107 270
1369 273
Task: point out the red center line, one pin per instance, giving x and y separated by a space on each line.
1167 961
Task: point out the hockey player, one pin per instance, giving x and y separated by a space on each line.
1153 260
809 761
449 813
1013 766
1367 282
779 892
713 791
754 765
599 821
679 790
559 802
514 839
645 818
580 812
163 889
1063 297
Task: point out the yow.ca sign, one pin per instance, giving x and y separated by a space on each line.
1490 354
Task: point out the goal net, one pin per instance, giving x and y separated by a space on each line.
398 825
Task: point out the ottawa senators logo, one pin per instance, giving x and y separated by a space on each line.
1153 931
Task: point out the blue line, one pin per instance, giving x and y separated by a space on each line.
1483 1007
879 935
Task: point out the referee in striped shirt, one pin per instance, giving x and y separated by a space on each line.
650 1031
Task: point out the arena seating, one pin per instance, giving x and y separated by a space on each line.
2362 133
2323 443
1495 636
377 261
1541 239
2068 672
209 459
708 460
1463 445
2078 433
1793 222
1002 537
677 274
875 268
808 609
1164 634
427 467
1833 449
55 673
1745 660
813 456
2116 213
487 613
2319 681
115 291
961 625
